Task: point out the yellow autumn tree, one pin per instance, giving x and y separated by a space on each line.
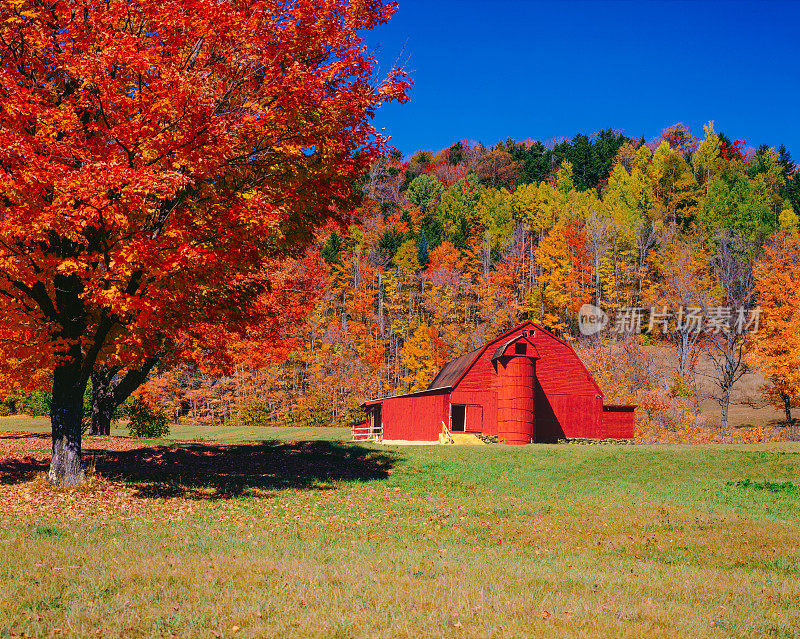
539 205
418 356
406 257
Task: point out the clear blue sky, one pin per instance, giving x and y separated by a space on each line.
486 70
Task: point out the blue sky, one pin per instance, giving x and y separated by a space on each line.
487 70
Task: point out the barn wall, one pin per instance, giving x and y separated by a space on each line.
576 415
546 428
568 401
482 376
479 388
566 416
416 418
474 419
618 422
487 400
360 431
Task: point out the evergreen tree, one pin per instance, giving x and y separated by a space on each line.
332 248
791 190
434 231
455 154
422 250
584 162
606 146
537 161
390 241
786 161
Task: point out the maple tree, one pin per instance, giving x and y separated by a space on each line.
498 168
565 277
154 156
777 279
680 138
443 251
418 355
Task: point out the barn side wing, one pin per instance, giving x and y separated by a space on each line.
618 421
415 417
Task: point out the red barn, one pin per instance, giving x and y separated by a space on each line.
527 385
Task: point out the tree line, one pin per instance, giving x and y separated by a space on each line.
448 249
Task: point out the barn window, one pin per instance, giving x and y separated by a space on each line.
457 418
520 348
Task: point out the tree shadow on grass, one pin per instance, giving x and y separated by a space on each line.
17 471
209 471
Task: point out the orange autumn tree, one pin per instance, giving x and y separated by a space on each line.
777 280
154 155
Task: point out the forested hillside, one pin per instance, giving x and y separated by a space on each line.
449 248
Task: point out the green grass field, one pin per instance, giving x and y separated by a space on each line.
325 538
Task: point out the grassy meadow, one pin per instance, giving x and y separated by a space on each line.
303 534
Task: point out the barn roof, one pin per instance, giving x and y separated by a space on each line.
427 391
452 371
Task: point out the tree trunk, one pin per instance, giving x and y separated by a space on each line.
103 405
787 406
66 413
725 403
110 391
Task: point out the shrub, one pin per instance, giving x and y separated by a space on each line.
253 413
681 386
147 420
313 411
35 404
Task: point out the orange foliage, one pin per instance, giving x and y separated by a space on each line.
444 256
777 279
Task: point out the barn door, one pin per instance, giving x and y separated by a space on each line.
473 422
458 416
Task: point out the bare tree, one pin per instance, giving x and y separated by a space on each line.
681 292
646 241
727 328
597 234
